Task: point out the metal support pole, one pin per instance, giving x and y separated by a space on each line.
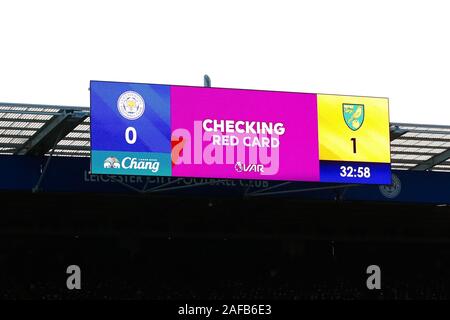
41 177
206 81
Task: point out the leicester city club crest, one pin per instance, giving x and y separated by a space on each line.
353 115
131 105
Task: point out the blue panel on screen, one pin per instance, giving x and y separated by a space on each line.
109 125
355 172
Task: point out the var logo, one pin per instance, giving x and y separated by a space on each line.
241 167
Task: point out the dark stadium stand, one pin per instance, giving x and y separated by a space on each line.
141 247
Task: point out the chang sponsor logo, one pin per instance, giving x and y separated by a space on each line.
111 162
140 164
131 163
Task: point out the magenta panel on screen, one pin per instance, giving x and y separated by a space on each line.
226 133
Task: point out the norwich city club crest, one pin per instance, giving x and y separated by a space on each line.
353 115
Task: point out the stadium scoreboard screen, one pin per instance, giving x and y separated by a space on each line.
183 131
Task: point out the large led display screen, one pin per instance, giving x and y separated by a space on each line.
183 131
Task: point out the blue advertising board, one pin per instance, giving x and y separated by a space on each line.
21 173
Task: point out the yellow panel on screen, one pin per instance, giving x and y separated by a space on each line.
353 128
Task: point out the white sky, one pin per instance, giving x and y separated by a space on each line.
398 49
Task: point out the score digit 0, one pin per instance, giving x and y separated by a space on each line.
130 135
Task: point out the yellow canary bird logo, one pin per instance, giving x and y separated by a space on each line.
353 115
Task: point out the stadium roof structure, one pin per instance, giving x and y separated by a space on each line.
31 129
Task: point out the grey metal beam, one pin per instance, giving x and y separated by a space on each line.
40 121
33 112
437 159
67 147
17 128
80 131
52 132
429 131
14 136
430 139
393 167
28 105
10 145
416 125
416 146
76 138
406 161
396 132
414 149
77 153
412 153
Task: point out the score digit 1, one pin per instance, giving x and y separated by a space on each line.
130 135
354 144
